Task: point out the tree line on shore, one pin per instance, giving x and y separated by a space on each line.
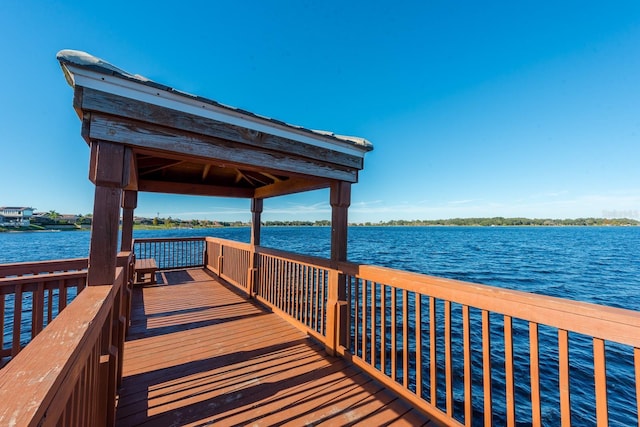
54 220
501 221
468 222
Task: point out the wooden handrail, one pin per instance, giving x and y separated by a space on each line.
40 267
405 291
33 294
381 298
600 321
69 371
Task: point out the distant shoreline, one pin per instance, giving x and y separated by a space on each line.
454 222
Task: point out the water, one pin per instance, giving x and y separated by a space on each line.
593 264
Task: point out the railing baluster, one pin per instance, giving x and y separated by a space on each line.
316 308
299 279
37 309
357 322
308 302
600 377
282 288
433 354
486 368
448 359
373 324
288 290
508 368
17 320
303 293
364 319
636 359
50 296
418 326
323 298
63 296
383 328
534 369
2 307
563 362
405 338
394 334
466 343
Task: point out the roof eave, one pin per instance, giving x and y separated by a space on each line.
112 80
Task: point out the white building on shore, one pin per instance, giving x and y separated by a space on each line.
11 216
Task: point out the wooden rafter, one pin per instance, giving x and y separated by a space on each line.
271 177
205 172
159 168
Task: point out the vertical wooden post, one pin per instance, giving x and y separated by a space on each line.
337 305
340 199
107 171
129 203
256 213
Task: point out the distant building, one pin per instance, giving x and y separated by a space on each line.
15 216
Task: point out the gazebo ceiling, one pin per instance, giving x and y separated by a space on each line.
187 144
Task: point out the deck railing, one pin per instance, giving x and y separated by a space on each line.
69 373
295 285
172 253
238 271
463 350
467 354
32 294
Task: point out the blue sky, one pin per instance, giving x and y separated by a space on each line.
474 108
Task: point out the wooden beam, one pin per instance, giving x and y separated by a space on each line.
94 100
77 101
133 171
124 131
193 189
106 165
289 186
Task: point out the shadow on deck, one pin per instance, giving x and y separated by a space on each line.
198 353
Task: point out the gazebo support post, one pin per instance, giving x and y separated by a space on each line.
129 204
107 171
256 213
337 305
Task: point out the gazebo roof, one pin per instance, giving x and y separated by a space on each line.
188 144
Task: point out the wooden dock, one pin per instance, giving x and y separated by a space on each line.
199 353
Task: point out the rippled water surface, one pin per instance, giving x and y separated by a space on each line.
593 264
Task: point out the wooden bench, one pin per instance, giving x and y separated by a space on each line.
143 267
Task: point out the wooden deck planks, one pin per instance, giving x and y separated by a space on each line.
198 353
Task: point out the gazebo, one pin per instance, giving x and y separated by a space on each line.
145 136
